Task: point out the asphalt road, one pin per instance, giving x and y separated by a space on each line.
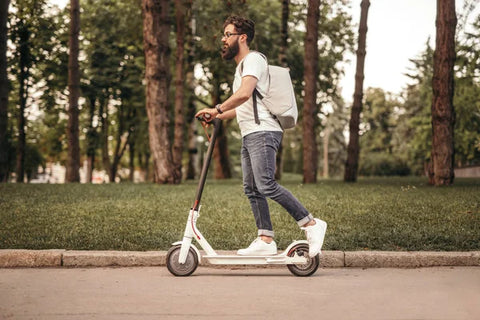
152 293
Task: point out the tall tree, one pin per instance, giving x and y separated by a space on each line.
31 29
73 161
25 25
179 131
282 55
221 155
282 58
156 30
351 166
190 81
443 113
3 93
25 64
310 152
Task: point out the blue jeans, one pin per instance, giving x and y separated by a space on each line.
258 165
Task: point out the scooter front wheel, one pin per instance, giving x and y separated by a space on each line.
307 269
181 270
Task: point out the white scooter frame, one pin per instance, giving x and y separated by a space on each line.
183 258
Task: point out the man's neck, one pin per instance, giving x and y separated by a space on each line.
241 54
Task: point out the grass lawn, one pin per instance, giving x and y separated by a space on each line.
372 214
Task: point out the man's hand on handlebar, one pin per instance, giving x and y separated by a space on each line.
207 114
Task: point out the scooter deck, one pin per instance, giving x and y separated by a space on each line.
274 259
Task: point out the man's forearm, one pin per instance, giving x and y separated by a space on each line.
234 101
230 114
241 95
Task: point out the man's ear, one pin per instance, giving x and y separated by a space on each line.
243 38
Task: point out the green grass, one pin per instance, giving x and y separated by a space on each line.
373 214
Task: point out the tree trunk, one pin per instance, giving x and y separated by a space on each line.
23 95
192 150
353 150
104 135
326 139
179 132
90 167
131 160
91 140
190 80
73 160
282 55
147 166
221 156
310 101
443 112
119 150
4 152
156 30
282 58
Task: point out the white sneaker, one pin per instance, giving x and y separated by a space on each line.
315 236
259 248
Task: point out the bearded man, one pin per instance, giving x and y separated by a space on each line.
261 137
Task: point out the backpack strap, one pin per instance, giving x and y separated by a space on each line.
255 108
255 93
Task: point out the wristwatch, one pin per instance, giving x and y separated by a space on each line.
218 109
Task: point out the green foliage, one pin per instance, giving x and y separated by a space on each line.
374 214
395 130
466 103
378 121
33 159
402 127
113 73
32 29
382 164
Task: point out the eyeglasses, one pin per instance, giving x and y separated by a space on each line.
229 34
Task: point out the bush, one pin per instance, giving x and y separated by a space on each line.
382 164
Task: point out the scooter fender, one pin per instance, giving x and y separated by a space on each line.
293 244
194 248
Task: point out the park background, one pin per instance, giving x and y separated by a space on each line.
390 207
395 126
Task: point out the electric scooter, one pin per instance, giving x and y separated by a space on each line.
183 257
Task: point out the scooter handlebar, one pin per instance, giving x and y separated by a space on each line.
204 117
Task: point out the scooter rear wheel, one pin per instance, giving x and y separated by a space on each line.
181 270
307 269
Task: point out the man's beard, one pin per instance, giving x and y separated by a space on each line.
229 52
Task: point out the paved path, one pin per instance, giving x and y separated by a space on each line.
329 259
152 293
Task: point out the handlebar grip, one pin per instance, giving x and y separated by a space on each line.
205 117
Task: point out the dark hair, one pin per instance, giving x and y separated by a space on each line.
242 25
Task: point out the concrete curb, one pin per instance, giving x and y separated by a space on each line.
10 258
113 258
415 259
30 258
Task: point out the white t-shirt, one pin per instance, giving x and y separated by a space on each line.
254 65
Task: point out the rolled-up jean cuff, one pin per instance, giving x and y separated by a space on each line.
305 220
267 233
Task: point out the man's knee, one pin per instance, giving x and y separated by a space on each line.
249 189
268 188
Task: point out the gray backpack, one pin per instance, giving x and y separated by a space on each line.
280 97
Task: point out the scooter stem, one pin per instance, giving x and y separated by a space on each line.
203 175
